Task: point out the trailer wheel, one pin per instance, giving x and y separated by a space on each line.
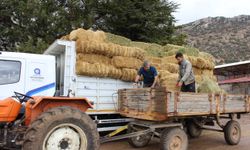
62 128
193 130
174 139
138 141
232 132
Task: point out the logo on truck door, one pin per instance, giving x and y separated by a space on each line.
37 75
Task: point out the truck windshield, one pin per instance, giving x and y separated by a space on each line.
9 71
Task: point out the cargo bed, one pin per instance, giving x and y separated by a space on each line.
160 104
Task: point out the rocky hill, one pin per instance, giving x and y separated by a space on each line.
228 39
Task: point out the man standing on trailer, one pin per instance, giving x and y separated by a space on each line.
149 74
186 78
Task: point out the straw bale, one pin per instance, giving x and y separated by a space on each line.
209 86
169 59
163 73
141 45
96 70
93 58
170 47
116 39
126 62
154 60
207 72
192 60
173 68
207 56
128 74
197 71
66 37
114 72
87 35
156 65
169 81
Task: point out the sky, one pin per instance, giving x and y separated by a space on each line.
191 10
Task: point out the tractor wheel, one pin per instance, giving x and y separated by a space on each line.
174 139
62 128
232 132
193 130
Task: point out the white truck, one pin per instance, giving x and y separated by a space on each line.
54 73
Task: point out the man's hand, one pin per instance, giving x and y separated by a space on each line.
179 84
152 86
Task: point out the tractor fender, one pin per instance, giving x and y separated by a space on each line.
36 106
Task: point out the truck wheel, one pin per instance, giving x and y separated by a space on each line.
193 130
138 141
62 128
232 132
174 139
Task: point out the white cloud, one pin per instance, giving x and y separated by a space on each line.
191 10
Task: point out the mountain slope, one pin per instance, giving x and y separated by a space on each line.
228 39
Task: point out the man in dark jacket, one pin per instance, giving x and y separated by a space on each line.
149 74
186 78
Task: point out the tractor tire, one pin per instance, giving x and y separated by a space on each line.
139 141
232 132
62 128
174 139
193 130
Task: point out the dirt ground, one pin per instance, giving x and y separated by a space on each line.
208 141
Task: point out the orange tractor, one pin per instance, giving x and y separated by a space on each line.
46 123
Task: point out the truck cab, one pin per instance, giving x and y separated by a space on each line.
31 74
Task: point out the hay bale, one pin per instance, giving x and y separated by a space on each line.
163 73
114 72
209 86
93 58
157 66
66 37
170 47
173 68
192 60
169 81
141 45
169 59
116 39
207 56
126 62
109 49
154 60
207 72
128 74
96 70
87 35
197 71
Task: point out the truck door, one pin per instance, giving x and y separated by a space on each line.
12 73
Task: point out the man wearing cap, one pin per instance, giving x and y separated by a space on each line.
149 74
186 78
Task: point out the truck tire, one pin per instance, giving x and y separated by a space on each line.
174 139
139 141
193 130
232 132
62 128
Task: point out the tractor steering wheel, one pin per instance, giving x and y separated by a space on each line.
22 97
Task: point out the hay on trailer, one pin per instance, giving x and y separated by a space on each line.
128 74
173 68
157 66
66 37
190 51
163 73
209 86
93 58
192 60
170 47
141 45
96 70
126 62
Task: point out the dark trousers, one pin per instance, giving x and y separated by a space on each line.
188 88
145 85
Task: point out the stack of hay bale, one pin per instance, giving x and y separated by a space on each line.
102 54
98 58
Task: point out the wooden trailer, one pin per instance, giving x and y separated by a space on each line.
172 115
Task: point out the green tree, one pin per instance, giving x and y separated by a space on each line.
140 20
